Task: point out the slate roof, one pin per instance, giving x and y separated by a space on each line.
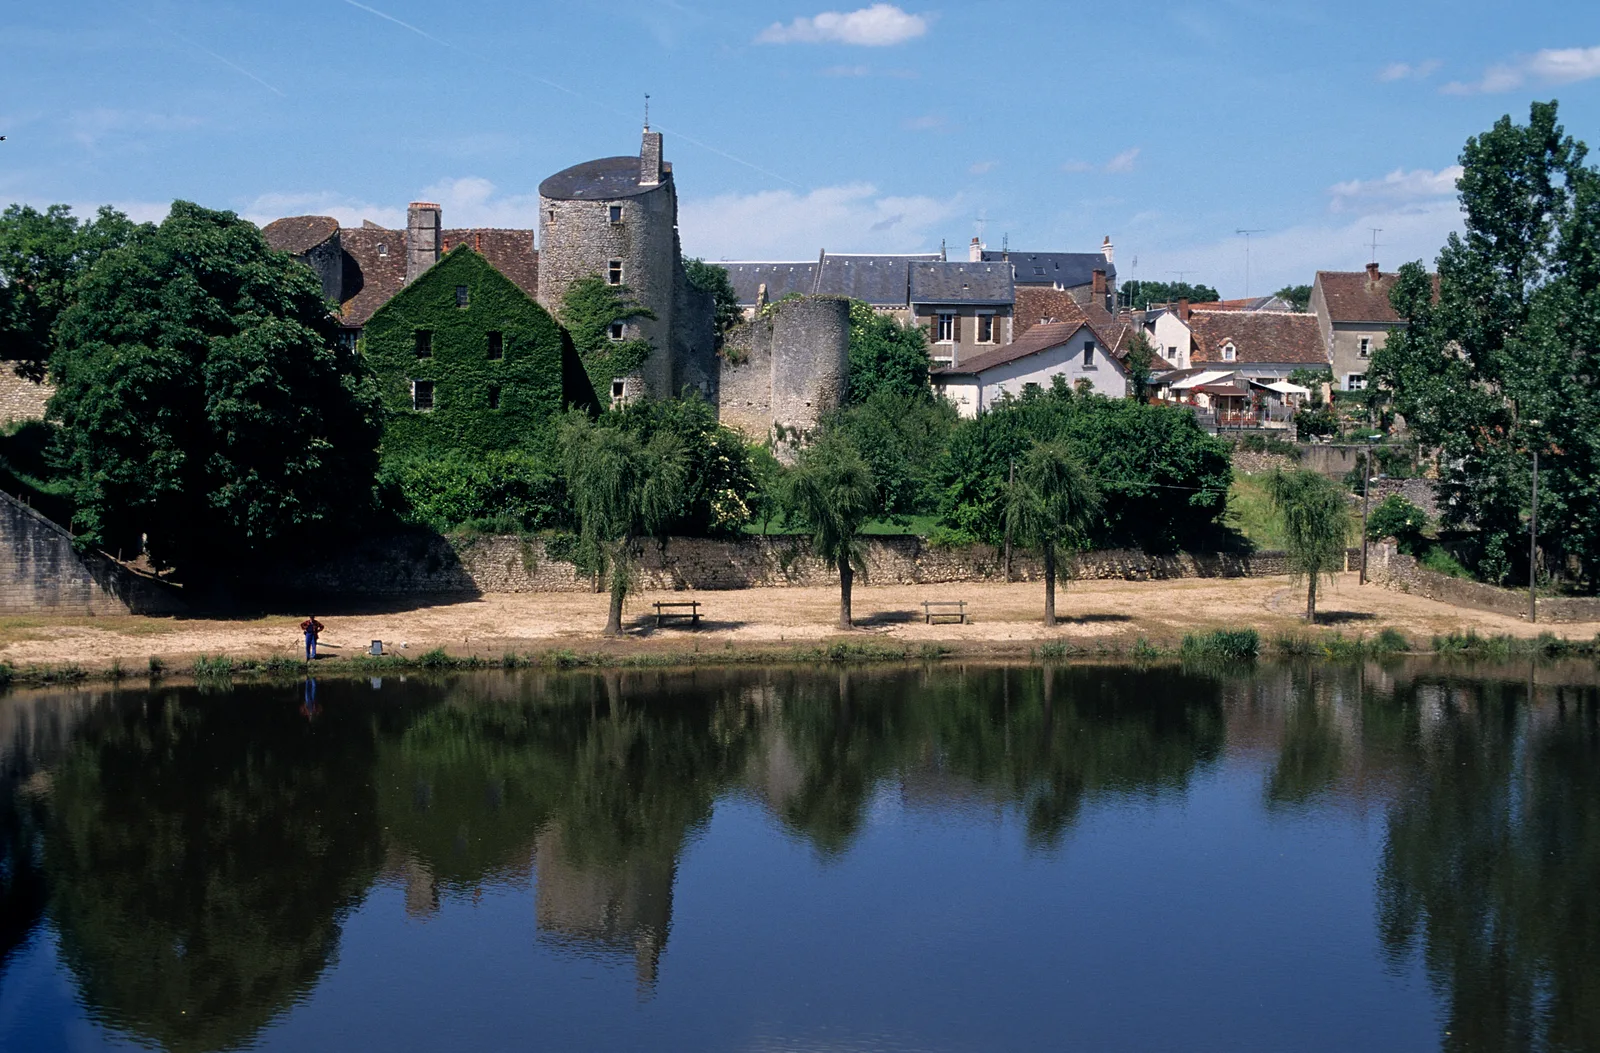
961 283
781 279
883 281
298 235
1039 338
1352 296
1261 337
1068 269
608 179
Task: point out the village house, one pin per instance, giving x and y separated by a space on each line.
1074 351
1240 363
965 308
1354 318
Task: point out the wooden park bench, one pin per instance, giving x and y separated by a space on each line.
956 609
676 610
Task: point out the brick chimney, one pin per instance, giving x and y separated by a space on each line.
1099 281
1108 250
650 159
1183 309
1373 274
422 238
975 252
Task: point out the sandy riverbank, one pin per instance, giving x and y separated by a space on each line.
1006 620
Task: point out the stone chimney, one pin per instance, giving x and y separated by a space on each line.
975 251
1373 274
650 159
422 238
1108 250
1099 281
1183 309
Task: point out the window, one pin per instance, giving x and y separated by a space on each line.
494 396
947 329
1355 382
383 248
986 329
614 273
424 339
349 338
422 395
497 344
1088 355
1172 352
616 213
616 389
1366 347
461 296
1229 352
618 330
552 214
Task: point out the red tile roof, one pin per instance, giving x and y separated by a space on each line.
1272 337
299 234
380 270
1354 296
1040 338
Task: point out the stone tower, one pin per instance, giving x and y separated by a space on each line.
617 218
422 238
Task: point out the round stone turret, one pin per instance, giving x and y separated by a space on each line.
810 359
617 219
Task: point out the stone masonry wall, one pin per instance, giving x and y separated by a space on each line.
20 398
744 388
422 564
41 572
1394 570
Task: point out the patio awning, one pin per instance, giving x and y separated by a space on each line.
1283 387
1201 379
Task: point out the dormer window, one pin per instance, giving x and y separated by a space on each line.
1229 352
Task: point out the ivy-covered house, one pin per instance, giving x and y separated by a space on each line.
468 361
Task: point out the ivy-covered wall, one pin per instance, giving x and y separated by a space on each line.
479 402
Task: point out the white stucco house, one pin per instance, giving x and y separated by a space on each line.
1072 350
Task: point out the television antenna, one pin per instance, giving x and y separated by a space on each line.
1247 233
1375 232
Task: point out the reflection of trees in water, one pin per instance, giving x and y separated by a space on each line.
1040 740
1492 864
201 852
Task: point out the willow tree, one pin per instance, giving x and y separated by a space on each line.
622 489
831 490
1051 506
1316 527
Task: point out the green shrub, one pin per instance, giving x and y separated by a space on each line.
1143 648
1439 560
157 666
1398 518
1294 645
1055 649
219 667
1229 644
436 659
1390 641
501 491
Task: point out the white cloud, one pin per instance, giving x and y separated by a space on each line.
1397 189
880 25
983 167
1123 162
1409 70
930 122
847 71
91 127
784 225
265 208
1550 66
470 201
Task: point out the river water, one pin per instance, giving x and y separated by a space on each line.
1313 857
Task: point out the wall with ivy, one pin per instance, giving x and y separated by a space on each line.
537 376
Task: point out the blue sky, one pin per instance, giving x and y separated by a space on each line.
796 126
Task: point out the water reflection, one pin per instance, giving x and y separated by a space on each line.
197 855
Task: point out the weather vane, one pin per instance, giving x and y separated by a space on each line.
647 111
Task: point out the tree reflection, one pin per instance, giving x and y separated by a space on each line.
201 852
1492 863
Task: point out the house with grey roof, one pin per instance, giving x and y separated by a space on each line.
1073 351
965 308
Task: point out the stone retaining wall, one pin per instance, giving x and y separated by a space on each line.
21 398
424 564
41 572
1389 567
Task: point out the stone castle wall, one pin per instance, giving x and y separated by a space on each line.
1389 567
41 572
21 398
744 378
810 359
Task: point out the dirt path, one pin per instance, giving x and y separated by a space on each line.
1005 617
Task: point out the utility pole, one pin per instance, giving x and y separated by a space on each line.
1533 544
1366 492
1010 483
1247 234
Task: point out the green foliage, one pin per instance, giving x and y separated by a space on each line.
588 311
27 472
1139 294
1504 359
1398 518
903 437
831 492
43 255
1268 444
1139 362
1297 295
1163 482
520 488
1318 421
1312 380
1239 645
1439 560
479 403
1051 506
766 502
885 356
720 483
204 399
713 281
622 488
1316 526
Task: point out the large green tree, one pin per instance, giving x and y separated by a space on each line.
42 257
1141 294
1501 356
885 356
833 494
714 282
205 402
622 490
1051 506
1316 526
